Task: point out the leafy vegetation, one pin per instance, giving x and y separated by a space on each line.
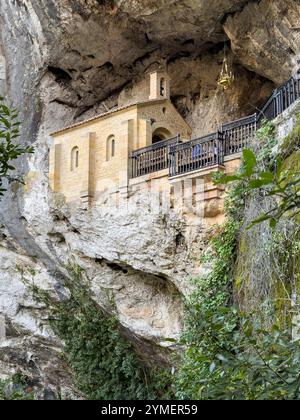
16 388
230 355
245 360
105 365
9 150
212 293
279 182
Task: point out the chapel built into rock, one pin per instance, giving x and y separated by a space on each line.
146 146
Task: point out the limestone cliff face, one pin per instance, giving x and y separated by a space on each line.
64 61
260 279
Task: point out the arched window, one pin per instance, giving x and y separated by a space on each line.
110 147
162 86
74 158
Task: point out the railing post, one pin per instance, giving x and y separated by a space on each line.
274 104
172 160
220 143
172 151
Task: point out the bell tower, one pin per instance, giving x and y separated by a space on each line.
159 85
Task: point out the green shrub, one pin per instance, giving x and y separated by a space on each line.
105 364
245 360
212 292
9 149
16 388
230 355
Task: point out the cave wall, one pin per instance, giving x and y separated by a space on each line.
69 60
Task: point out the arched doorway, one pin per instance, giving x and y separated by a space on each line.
160 134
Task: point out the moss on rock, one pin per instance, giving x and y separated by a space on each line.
267 267
292 142
292 163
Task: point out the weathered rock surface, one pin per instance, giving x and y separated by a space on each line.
265 36
27 344
71 59
261 279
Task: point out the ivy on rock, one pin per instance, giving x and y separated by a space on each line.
105 364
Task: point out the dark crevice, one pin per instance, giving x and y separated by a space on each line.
108 66
74 230
188 42
87 69
61 102
127 269
61 76
236 11
144 57
179 240
60 218
76 52
217 48
57 236
177 56
106 2
113 92
148 40
82 109
114 267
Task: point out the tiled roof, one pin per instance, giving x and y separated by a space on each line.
112 111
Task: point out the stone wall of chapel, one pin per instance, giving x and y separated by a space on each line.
165 115
98 170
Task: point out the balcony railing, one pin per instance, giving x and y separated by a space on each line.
152 158
210 150
196 154
238 134
281 99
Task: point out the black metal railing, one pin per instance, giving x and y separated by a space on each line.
238 134
233 136
152 158
210 150
281 99
196 154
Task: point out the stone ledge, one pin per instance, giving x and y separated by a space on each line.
144 178
197 173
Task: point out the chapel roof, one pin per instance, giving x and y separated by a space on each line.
104 114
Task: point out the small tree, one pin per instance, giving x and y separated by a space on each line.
9 149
